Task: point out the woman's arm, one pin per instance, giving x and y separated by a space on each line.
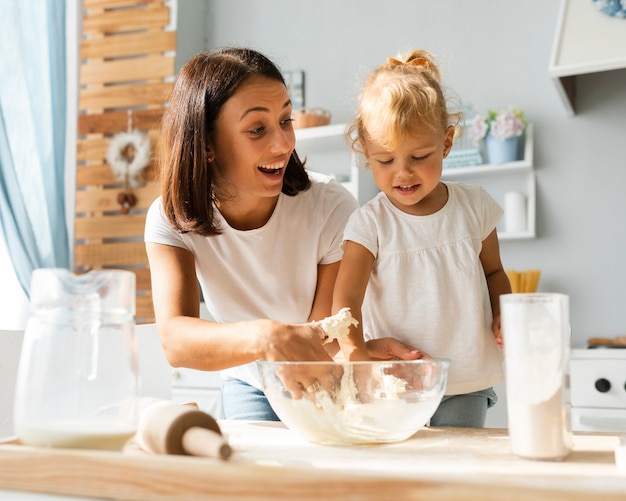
497 279
322 302
189 341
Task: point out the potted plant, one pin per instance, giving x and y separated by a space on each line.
501 130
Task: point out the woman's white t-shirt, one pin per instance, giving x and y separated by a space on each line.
269 272
428 287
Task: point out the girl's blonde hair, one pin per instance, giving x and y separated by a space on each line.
399 98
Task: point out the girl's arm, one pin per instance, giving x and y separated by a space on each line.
354 274
322 303
497 280
189 341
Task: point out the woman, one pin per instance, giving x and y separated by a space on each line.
239 214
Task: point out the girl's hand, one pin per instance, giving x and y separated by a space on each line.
496 328
389 348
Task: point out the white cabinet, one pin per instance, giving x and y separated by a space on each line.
326 150
201 387
499 179
586 41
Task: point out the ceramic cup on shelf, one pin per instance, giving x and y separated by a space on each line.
501 151
536 334
77 379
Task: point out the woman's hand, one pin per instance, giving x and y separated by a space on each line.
388 348
300 343
292 342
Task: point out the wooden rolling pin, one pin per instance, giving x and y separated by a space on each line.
169 428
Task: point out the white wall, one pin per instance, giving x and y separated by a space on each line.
493 53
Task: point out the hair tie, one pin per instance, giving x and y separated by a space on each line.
418 61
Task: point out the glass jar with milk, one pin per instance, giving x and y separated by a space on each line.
78 377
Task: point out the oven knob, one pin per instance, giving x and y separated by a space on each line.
603 385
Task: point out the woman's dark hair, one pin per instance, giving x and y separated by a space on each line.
203 85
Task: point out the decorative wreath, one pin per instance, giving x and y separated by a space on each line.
613 8
128 154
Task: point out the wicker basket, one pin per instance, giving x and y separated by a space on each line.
310 117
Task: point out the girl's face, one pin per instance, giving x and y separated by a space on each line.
410 174
254 139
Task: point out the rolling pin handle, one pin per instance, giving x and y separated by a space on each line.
198 441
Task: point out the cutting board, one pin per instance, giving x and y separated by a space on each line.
271 462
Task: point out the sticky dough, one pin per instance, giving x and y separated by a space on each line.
338 325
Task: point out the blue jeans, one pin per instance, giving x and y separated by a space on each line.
243 401
464 411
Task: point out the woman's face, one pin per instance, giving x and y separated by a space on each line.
409 175
254 139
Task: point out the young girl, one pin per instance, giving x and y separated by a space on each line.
421 260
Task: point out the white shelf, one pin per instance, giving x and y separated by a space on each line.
586 41
498 179
325 131
525 164
326 150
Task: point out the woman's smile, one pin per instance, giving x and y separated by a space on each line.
275 169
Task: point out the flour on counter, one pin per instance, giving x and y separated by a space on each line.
338 325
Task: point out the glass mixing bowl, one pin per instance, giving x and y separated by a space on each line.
345 403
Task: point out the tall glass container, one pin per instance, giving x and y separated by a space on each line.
536 334
77 380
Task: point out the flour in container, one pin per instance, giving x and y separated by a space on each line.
373 407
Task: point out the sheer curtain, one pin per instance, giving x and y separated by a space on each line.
32 139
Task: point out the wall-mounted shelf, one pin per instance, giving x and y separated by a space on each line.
586 41
327 151
499 179
318 134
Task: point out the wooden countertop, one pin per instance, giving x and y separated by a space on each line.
271 462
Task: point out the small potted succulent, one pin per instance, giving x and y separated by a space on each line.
501 130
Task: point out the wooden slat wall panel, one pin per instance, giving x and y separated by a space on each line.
127 64
116 21
120 254
128 45
99 199
144 305
103 227
107 123
94 149
88 175
143 279
120 96
127 70
110 4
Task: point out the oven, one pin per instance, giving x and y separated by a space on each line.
598 389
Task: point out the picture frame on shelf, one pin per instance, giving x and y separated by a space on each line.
294 80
